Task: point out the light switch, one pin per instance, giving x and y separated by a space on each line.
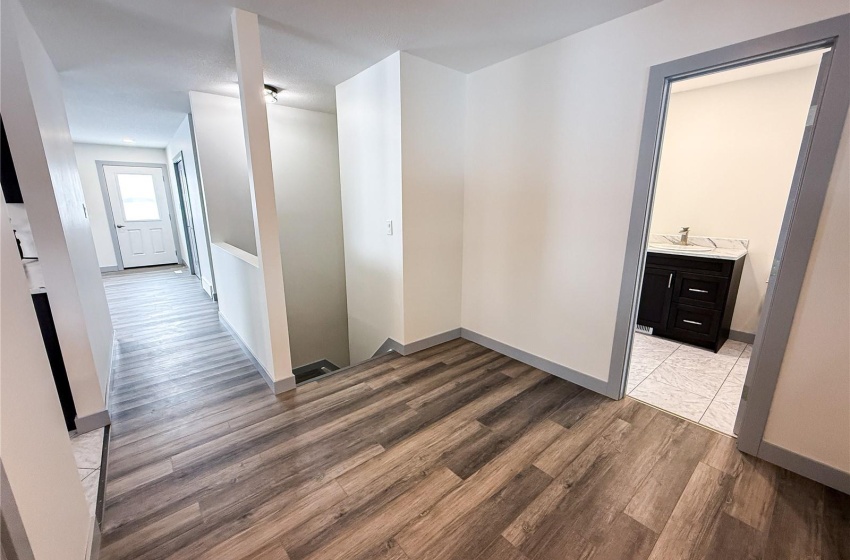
389 227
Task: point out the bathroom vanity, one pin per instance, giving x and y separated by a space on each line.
689 291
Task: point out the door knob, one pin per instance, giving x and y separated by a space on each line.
119 226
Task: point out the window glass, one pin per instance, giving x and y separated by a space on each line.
138 197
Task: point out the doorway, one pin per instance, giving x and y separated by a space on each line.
813 167
140 214
729 151
186 212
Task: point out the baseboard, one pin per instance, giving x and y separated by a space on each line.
94 541
207 287
113 268
581 379
810 468
277 386
111 368
92 422
430 341
391 345
739 336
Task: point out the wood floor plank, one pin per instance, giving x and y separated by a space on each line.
527 522
585 515
466 536
658 495
389 550
487 481
454 452
694 520
796 529
145 539
735 540
267 528
633 541
500 549
361 538
754 494
580 435
138 477
836 525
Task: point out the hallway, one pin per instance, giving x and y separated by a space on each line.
455 452
177 372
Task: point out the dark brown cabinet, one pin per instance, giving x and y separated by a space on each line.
655 298
690 299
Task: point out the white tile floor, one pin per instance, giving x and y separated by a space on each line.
691 382
88 451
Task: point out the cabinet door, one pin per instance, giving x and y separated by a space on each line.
655 297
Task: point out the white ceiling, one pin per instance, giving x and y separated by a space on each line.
127 65
774 66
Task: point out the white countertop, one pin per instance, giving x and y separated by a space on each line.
719 247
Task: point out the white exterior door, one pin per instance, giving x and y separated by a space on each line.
142 219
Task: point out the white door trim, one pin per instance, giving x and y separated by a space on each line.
113 231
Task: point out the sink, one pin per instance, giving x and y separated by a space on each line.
681 248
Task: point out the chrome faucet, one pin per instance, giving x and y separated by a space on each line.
683 235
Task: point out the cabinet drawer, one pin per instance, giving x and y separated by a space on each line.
701 291
695 322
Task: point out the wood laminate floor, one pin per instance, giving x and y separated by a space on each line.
456 452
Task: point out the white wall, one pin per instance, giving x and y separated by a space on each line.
369 122
224 169
40 142
726 168
307 192
240 299
433 105
305 157
810 414
87 155
552 145
35 449
401 131
183 142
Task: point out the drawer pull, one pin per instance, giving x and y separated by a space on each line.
691 322
697 291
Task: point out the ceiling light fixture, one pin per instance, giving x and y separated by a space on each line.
128 140
270 93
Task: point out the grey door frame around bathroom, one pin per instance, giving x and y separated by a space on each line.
808 190
110 217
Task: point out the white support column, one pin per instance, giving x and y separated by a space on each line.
255 123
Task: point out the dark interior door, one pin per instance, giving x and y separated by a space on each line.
188 220
655 298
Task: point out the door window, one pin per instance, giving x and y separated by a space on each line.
138 197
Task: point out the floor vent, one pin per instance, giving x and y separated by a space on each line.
643 329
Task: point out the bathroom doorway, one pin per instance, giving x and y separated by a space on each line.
712 313
727 162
